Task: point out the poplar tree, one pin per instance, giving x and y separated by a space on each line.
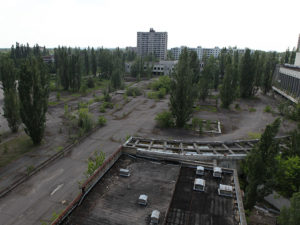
260 166
93 62
33 92
227 92
11 104
247 75
86 62
207 75
182 91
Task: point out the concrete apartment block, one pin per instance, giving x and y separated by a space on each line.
152 42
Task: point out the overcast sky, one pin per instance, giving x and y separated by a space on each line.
257 24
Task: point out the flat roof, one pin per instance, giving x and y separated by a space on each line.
191 207
169 187
114 200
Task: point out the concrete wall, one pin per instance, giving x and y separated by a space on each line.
297 60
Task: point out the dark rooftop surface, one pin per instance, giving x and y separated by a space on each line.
191 207
114 199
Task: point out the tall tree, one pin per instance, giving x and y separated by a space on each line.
93 62
269 69
33 92
260 166
287 56
182 93
11 104
227 92
117 74
222 62
86 62
207 75
247 75
291 215
195 66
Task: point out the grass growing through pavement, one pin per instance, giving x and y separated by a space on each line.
254 135
15 148
207 108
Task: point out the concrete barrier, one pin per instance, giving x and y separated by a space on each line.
88 185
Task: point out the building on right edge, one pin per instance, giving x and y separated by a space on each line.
286 80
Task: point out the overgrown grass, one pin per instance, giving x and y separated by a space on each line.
254 135
207 108
164 119
15 148
53 103
268 109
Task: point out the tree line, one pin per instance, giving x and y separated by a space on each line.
25 84
234 75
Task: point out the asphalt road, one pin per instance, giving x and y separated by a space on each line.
38 198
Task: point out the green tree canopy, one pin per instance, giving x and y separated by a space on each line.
33 92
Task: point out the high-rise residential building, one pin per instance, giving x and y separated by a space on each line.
152 43
203 52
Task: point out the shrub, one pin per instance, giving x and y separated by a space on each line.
162 82
133 91
106 96
152 95
267 109
164 119
195 122
85 120
101 120
161 93
83 89
102 109
95 162
208 125
90 83
237 106
97 99
108 105
58 96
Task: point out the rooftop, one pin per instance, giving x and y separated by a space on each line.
114 200
191 207
170 190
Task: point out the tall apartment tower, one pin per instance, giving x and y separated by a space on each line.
152 42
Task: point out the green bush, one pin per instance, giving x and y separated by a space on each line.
101 120
85 120
268 109
162 82
97 99
237 106
164 119
208 125
108 105
133 91
152 95
90 83
106 96
102 109
58 96
161 93
83 89
95 162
